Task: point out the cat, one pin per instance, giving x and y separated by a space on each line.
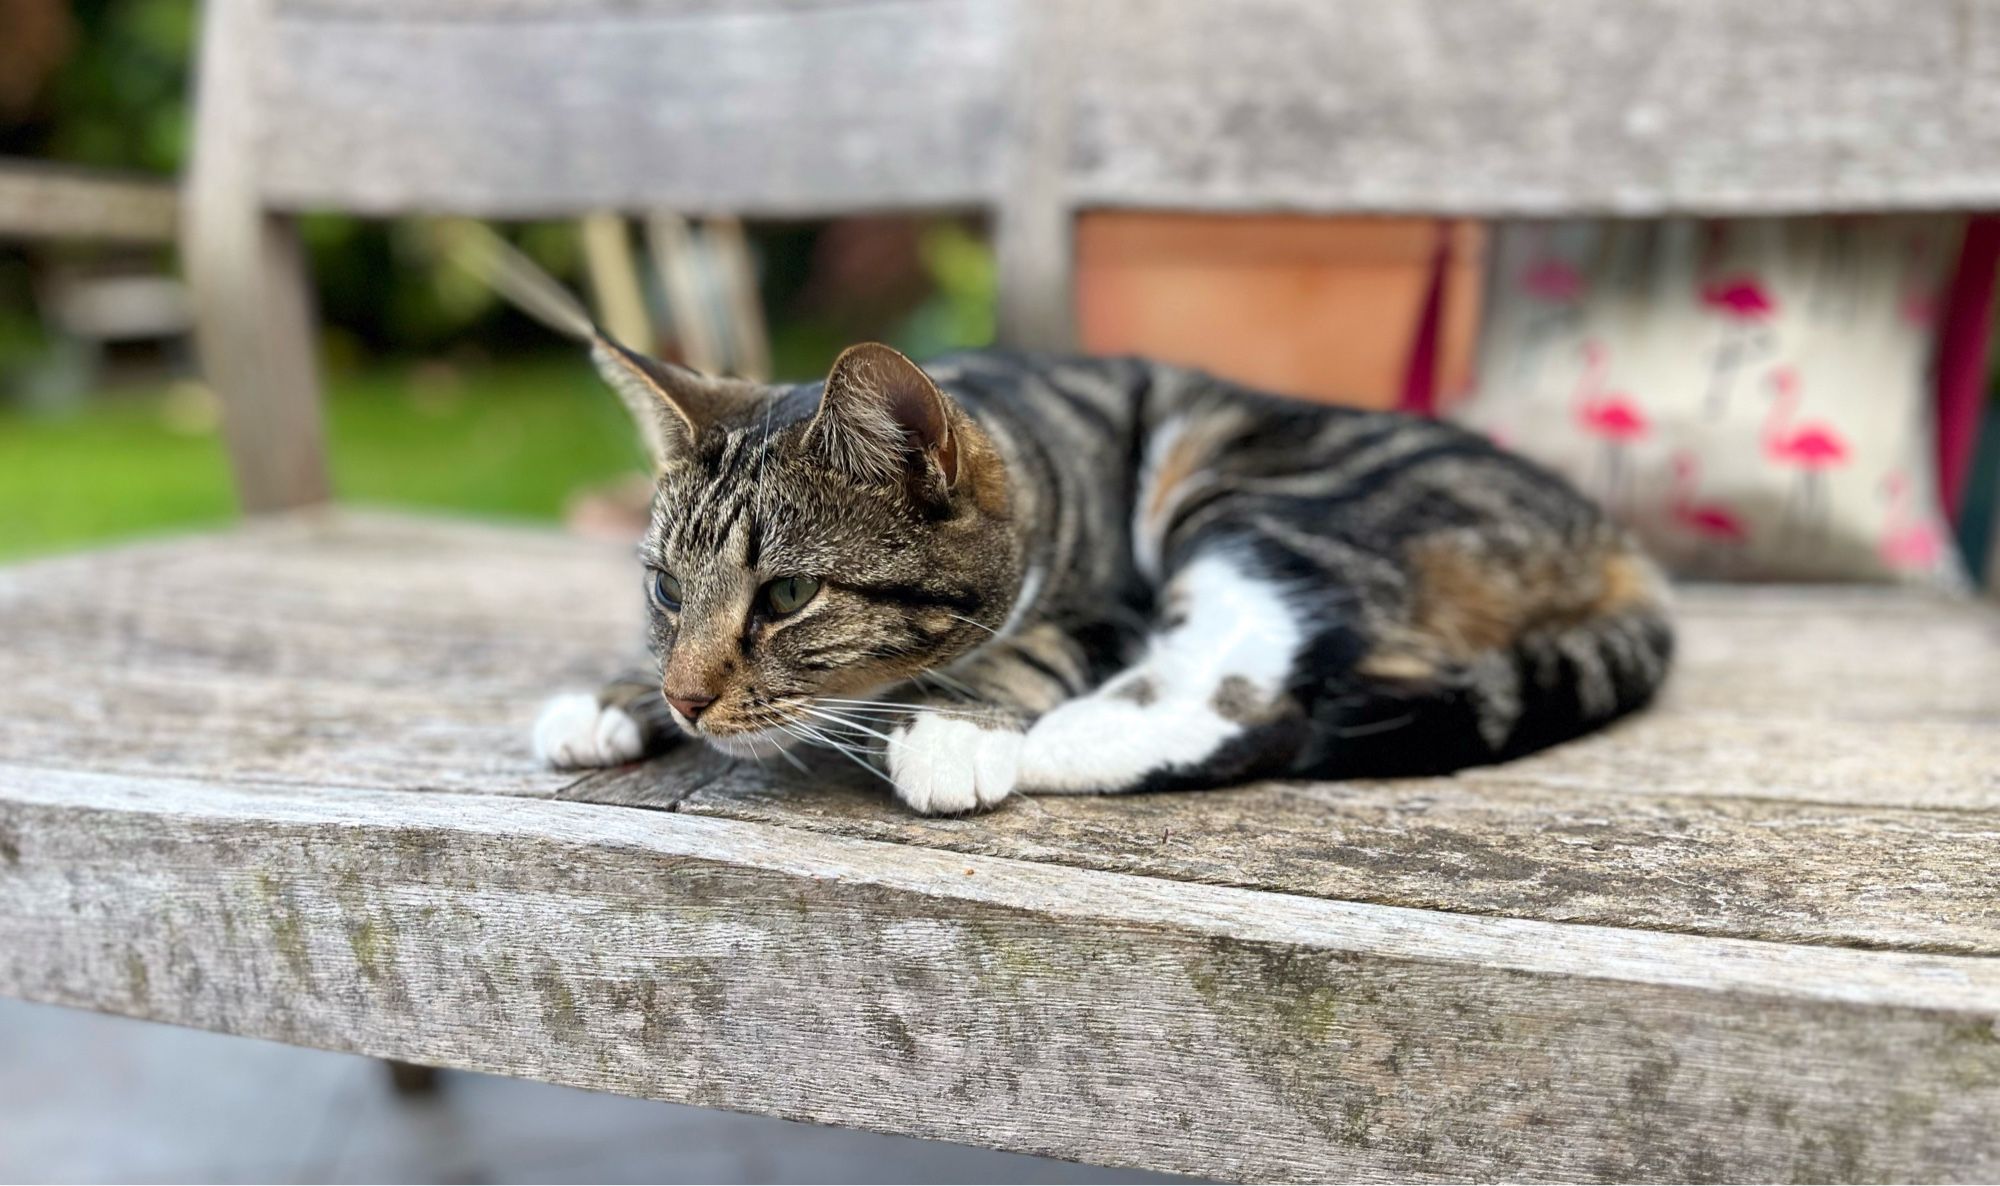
1014 573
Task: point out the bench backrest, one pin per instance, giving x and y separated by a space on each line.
1032 109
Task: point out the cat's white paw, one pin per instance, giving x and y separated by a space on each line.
575 730
942 766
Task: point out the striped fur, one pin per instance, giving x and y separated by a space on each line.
1101 575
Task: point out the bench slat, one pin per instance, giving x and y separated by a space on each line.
1803 873
196 736
1524 107
1504 107
782 111
1110 1018
1770 794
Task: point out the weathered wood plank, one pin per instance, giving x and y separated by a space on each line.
333 651
1091 1015
43 201
405 594
1856 762
1526 107
334 571
1515 107
543 10
1858 653
805 109
372 651
1746 868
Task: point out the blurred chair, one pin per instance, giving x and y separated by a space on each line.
101 279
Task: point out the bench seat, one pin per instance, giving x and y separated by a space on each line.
275 781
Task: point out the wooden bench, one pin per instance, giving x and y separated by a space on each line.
275 781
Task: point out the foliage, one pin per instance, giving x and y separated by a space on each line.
121 99
511 440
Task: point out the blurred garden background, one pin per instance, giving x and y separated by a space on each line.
439 395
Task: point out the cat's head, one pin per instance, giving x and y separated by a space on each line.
829 540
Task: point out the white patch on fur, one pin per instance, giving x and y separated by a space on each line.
941 766
575 730
1238 626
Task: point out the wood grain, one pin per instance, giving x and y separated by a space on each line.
769 109
254 320
1644 955
1802 873
43 201
1509 107
1526 107
332 651
1117 1019
1772 794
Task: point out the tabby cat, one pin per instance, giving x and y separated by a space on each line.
1061 575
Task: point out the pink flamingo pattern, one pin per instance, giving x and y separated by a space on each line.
1746 308
1613 417
1711 522
1910 541
1812 449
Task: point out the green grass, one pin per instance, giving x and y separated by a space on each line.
511 440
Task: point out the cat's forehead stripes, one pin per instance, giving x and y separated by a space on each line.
700 509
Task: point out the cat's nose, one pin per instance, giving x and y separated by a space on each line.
689 706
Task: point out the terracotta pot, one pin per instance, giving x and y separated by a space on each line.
1323 308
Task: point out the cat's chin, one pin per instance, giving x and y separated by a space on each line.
756 743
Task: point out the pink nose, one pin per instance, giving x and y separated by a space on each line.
689 706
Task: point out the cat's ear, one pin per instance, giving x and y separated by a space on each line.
883 420
671 403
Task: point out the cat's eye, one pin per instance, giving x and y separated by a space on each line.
666 591
788 595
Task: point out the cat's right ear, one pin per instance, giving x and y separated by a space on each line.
671 404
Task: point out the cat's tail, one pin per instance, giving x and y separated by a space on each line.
1487 651
1579 664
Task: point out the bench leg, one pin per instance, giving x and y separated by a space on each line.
411 1080
252 291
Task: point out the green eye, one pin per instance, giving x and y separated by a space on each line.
666 591
788 595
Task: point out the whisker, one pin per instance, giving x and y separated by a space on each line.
854 717
877 704
799 703
970 622
838 720
821 736
808 733
791 757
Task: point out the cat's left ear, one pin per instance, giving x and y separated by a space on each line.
883 420
671 404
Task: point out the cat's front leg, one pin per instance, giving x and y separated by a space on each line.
960 750
623 721
952 759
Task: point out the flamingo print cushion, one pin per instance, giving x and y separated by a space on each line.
1752 396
